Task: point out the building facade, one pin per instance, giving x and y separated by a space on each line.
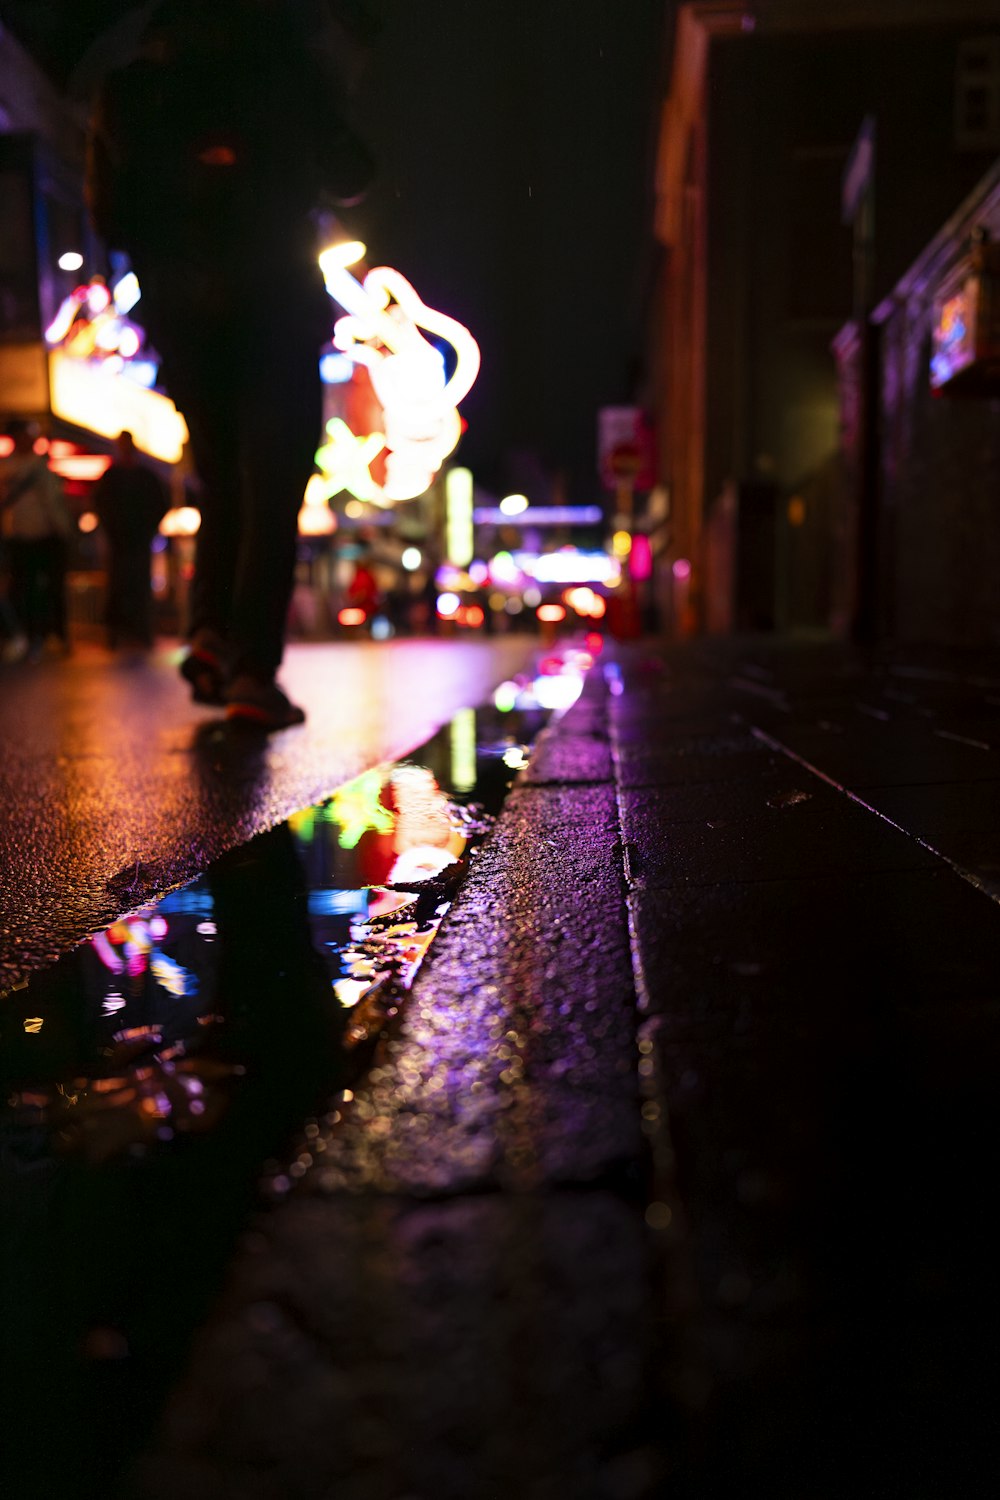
932 383
806 153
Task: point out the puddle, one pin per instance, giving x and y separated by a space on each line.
154 1075
131 1037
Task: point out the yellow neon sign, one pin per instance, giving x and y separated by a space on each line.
109 404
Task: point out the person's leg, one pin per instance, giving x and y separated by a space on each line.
201 372
57 564
141 603
129 579
281 420
32 588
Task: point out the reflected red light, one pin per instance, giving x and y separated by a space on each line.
41 445
352 617
594 643
550 614
6 446
474 616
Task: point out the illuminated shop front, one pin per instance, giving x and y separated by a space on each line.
73 359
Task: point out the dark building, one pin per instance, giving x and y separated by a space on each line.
807 152
42 217
920 425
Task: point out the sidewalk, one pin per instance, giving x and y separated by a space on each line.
813 852
673 1177
671 1182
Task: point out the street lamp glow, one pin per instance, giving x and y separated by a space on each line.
182 521
514 505
316 520
411 559
71 261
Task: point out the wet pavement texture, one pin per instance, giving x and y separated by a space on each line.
665 1172
114 786
811 864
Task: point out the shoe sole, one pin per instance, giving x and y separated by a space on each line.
258 718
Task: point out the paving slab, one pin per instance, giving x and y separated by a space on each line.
821 1001
801 830
463 1349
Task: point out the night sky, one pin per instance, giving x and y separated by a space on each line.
515 149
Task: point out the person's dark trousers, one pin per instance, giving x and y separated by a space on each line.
38 586
57 552
250 393
129 611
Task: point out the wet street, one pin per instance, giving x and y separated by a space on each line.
564 1073
115 785
170 1080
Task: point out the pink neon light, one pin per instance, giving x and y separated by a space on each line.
640 562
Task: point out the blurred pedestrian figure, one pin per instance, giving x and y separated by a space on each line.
363 591
130 501
36 526
13 642
208 156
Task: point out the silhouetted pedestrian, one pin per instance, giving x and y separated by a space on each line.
130 501
208 156
36 525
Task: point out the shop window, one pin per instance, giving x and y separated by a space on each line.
977 95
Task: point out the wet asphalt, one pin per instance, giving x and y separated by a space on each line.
671 1176
114 786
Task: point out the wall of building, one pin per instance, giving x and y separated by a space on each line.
939 493
30 101
783 113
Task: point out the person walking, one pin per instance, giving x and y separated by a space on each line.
130 501
36 526
208 156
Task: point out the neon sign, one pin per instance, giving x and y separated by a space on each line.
92 324
106 403
954 336
382 332
100 378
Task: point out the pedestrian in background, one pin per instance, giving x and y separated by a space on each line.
208 157
36 525
130 501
